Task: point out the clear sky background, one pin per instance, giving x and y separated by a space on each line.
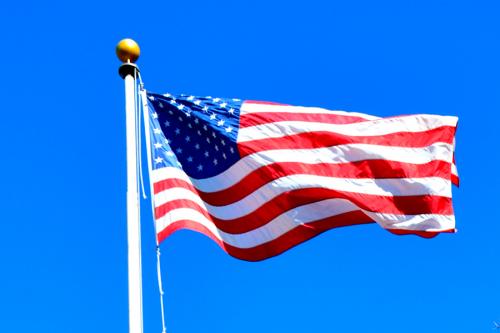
62 141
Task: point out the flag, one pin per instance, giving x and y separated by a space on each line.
259 178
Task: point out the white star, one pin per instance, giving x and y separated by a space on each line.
213 135
180 118
206 153
178 150
190 98
170 112
170 153
236 99
151 98
223 142
158 160
173 102
188 139
220 122
231 150
167 95
188 114
231 111
158 145
216 148
177 131
157 131
197 102
229 129
208 140
190 159
205 127
167 141
223 105
205 108
197 146
167 123
212 116
196 121
224 155
200 167
198 132
155 115
216 100
215 161
190 126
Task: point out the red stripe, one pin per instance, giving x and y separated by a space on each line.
258 118
402 205
278 245
378 169
288 240
310 140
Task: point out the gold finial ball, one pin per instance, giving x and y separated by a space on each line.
128 50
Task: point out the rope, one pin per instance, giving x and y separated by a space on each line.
145 113
160 287
139 135
138 159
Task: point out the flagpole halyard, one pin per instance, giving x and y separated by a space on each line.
128 52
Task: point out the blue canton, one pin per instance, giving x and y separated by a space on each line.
195 134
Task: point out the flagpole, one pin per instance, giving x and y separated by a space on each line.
128 51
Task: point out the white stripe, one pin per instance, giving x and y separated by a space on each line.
334 155
249 107
423 222
383 187
169 173
304 214
454 170
180 193
378 127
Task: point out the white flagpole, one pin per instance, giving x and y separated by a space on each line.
128 52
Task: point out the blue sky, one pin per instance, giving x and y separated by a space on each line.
62 204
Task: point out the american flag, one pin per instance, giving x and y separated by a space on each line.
259 178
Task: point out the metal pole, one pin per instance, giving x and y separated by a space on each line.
128 72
